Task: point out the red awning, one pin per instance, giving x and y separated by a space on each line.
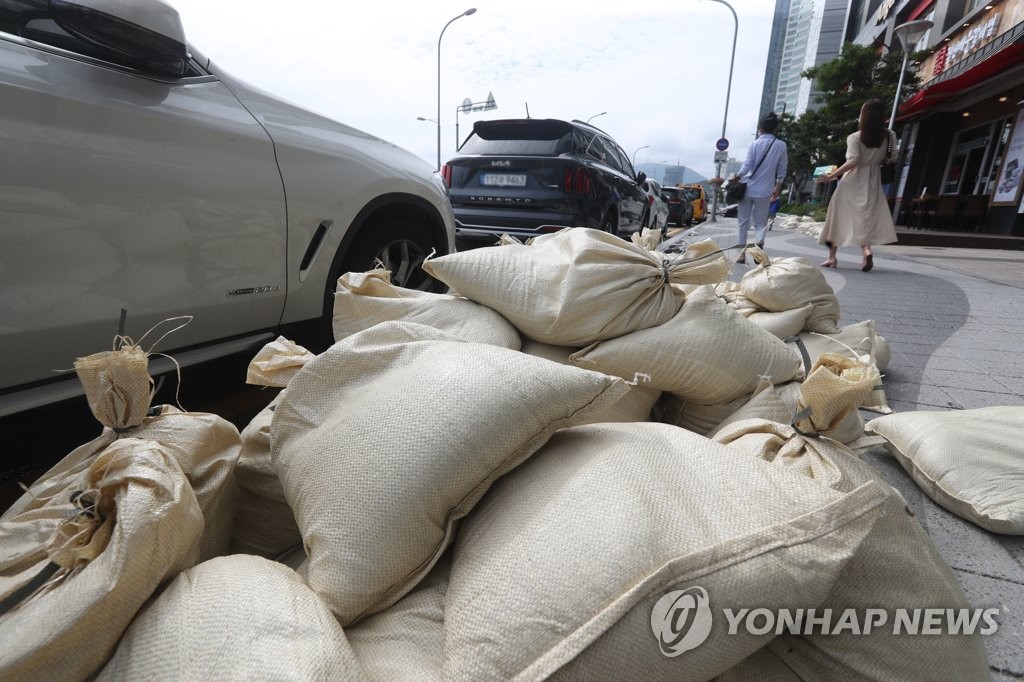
931 96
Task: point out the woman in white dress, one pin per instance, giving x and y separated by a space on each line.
859 213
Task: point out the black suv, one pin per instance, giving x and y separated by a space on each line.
526 177
680 208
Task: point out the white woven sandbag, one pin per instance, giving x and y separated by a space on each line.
648 238
117 384
364 299
391 435
575 548
732 293
896 566
761 666
700 418
707 353
778 284
968 461
574 287
781 404
75 570
264 523
854 340
635 406
276 363
406 640
205 446
235 618
782 324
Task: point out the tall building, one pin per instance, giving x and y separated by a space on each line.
814 33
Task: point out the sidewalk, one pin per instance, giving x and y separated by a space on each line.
951 318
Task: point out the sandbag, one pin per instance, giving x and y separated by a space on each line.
779 284
577 286
235 618
700 418
707 353
406 640
648 238
264 523
732 294
576 548
635 406
896 567
782 324
276 363
393 434
969 462
77 566
364 299
853 340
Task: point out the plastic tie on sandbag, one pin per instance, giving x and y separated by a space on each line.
799 417
803 352
697 265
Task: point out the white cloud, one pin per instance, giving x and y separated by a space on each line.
659 71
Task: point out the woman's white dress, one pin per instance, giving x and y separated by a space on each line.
859 213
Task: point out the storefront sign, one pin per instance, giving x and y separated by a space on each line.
939 61
883 11
1008 184
973 39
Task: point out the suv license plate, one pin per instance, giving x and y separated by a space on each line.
503 180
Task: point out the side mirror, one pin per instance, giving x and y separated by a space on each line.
641 177
142 34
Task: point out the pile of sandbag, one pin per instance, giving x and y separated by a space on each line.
97 535
476 485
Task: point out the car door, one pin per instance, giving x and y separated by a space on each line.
121 191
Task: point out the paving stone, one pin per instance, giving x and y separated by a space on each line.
1004 646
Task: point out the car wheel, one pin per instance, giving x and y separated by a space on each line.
609 223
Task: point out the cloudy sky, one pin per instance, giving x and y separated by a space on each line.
660 70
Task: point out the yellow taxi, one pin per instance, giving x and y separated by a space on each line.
699 198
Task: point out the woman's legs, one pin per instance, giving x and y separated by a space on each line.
830 262
868 261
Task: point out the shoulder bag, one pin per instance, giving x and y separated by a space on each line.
888 170
737 190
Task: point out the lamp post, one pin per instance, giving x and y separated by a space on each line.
469 11
595 116
635 151
908 33
725 118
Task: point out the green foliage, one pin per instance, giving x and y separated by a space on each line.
818 137
816 212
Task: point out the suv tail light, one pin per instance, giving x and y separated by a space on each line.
446 174
650 199
576 180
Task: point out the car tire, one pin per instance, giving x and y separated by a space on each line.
609 223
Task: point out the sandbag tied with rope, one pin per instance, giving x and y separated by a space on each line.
703 262
205 446
75 569
570 288
779 284
648 238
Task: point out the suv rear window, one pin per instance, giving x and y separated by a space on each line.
692 194
540 137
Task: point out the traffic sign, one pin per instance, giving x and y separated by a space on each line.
721 157
722 144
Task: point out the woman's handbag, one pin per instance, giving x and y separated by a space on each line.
737 190
888 170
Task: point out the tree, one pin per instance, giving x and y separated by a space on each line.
818 137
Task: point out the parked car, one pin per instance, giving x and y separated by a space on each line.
680 208
699 198
528 176
138 175
657 210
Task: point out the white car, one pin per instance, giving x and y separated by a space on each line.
657 214
137 175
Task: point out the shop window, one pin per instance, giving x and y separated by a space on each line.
969 165
998 148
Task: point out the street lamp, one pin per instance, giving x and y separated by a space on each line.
725 118
636 150
595 116
469 11
908 33
420 118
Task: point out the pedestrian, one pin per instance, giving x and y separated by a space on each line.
773 210
859 212
763 172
